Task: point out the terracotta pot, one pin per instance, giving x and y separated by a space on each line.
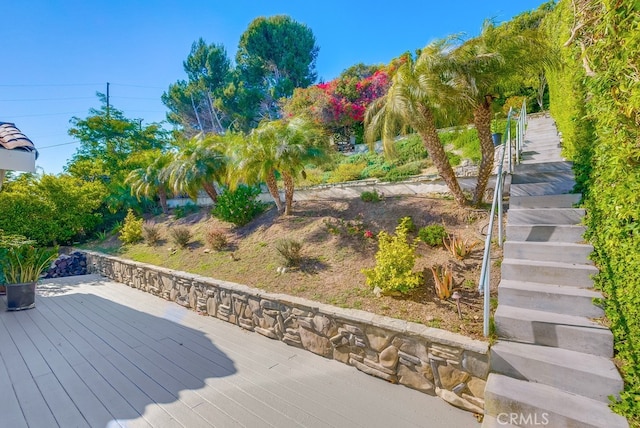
21 296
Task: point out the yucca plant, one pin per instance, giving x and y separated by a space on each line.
458 247
25 263
443 281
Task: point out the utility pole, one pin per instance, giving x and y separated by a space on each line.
107 99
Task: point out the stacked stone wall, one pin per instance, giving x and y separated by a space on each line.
433 361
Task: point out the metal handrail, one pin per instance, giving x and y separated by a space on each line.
485 273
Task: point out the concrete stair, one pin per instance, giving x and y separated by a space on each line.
588 375
545 272
544 328
562 252
550 298
551 365
532 405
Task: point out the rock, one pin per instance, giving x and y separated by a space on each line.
457 401
415 380
476 387
324 326
378 339
389 357
450 376
315 343
476 364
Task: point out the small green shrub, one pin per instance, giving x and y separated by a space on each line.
238 206
395 260
347 172
407 224
372 196
404 171
150 233
411 149
184 210
433 234
180 235
216 238
454 158
290 250
131 229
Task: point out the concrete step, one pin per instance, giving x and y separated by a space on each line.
583 374
546 233
541 177
539 189
544 272
532 405
545 216
562 252
551 329
567 200
545 167
550 298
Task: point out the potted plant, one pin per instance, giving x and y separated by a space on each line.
22 265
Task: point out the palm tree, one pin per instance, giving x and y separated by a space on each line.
150 181
198 165
282 147
417 99
481 69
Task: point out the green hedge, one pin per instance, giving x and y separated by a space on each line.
599 115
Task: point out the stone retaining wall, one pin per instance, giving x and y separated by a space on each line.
427 359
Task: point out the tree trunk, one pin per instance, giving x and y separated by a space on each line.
429 134
482 120
272 185
289 187
210 189
195 110
162 195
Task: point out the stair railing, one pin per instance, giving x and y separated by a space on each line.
496 205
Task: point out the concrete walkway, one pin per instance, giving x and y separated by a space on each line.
552 363
94 353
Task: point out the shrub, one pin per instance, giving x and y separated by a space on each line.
404 171
216 238
372 196
238 206
290 250
180 235
131 229
184 210
432 234
150 233
395 260
347 172
411 149
407 224
454 158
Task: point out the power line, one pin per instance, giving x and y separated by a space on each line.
58 145
138 86
16 85
45 114
50 99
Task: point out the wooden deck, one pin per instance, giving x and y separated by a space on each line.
95 353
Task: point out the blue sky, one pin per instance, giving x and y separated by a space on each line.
58 53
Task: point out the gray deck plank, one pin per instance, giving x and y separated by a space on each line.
9 406
148 362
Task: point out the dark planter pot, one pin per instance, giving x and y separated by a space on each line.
497 138
21 296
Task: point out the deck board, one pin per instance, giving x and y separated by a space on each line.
97 353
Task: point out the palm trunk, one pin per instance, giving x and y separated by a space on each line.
272 185
162 195
482 121
289 187
210 189
429 134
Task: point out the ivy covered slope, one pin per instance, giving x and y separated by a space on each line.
595 98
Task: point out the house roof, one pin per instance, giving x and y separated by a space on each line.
11 138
